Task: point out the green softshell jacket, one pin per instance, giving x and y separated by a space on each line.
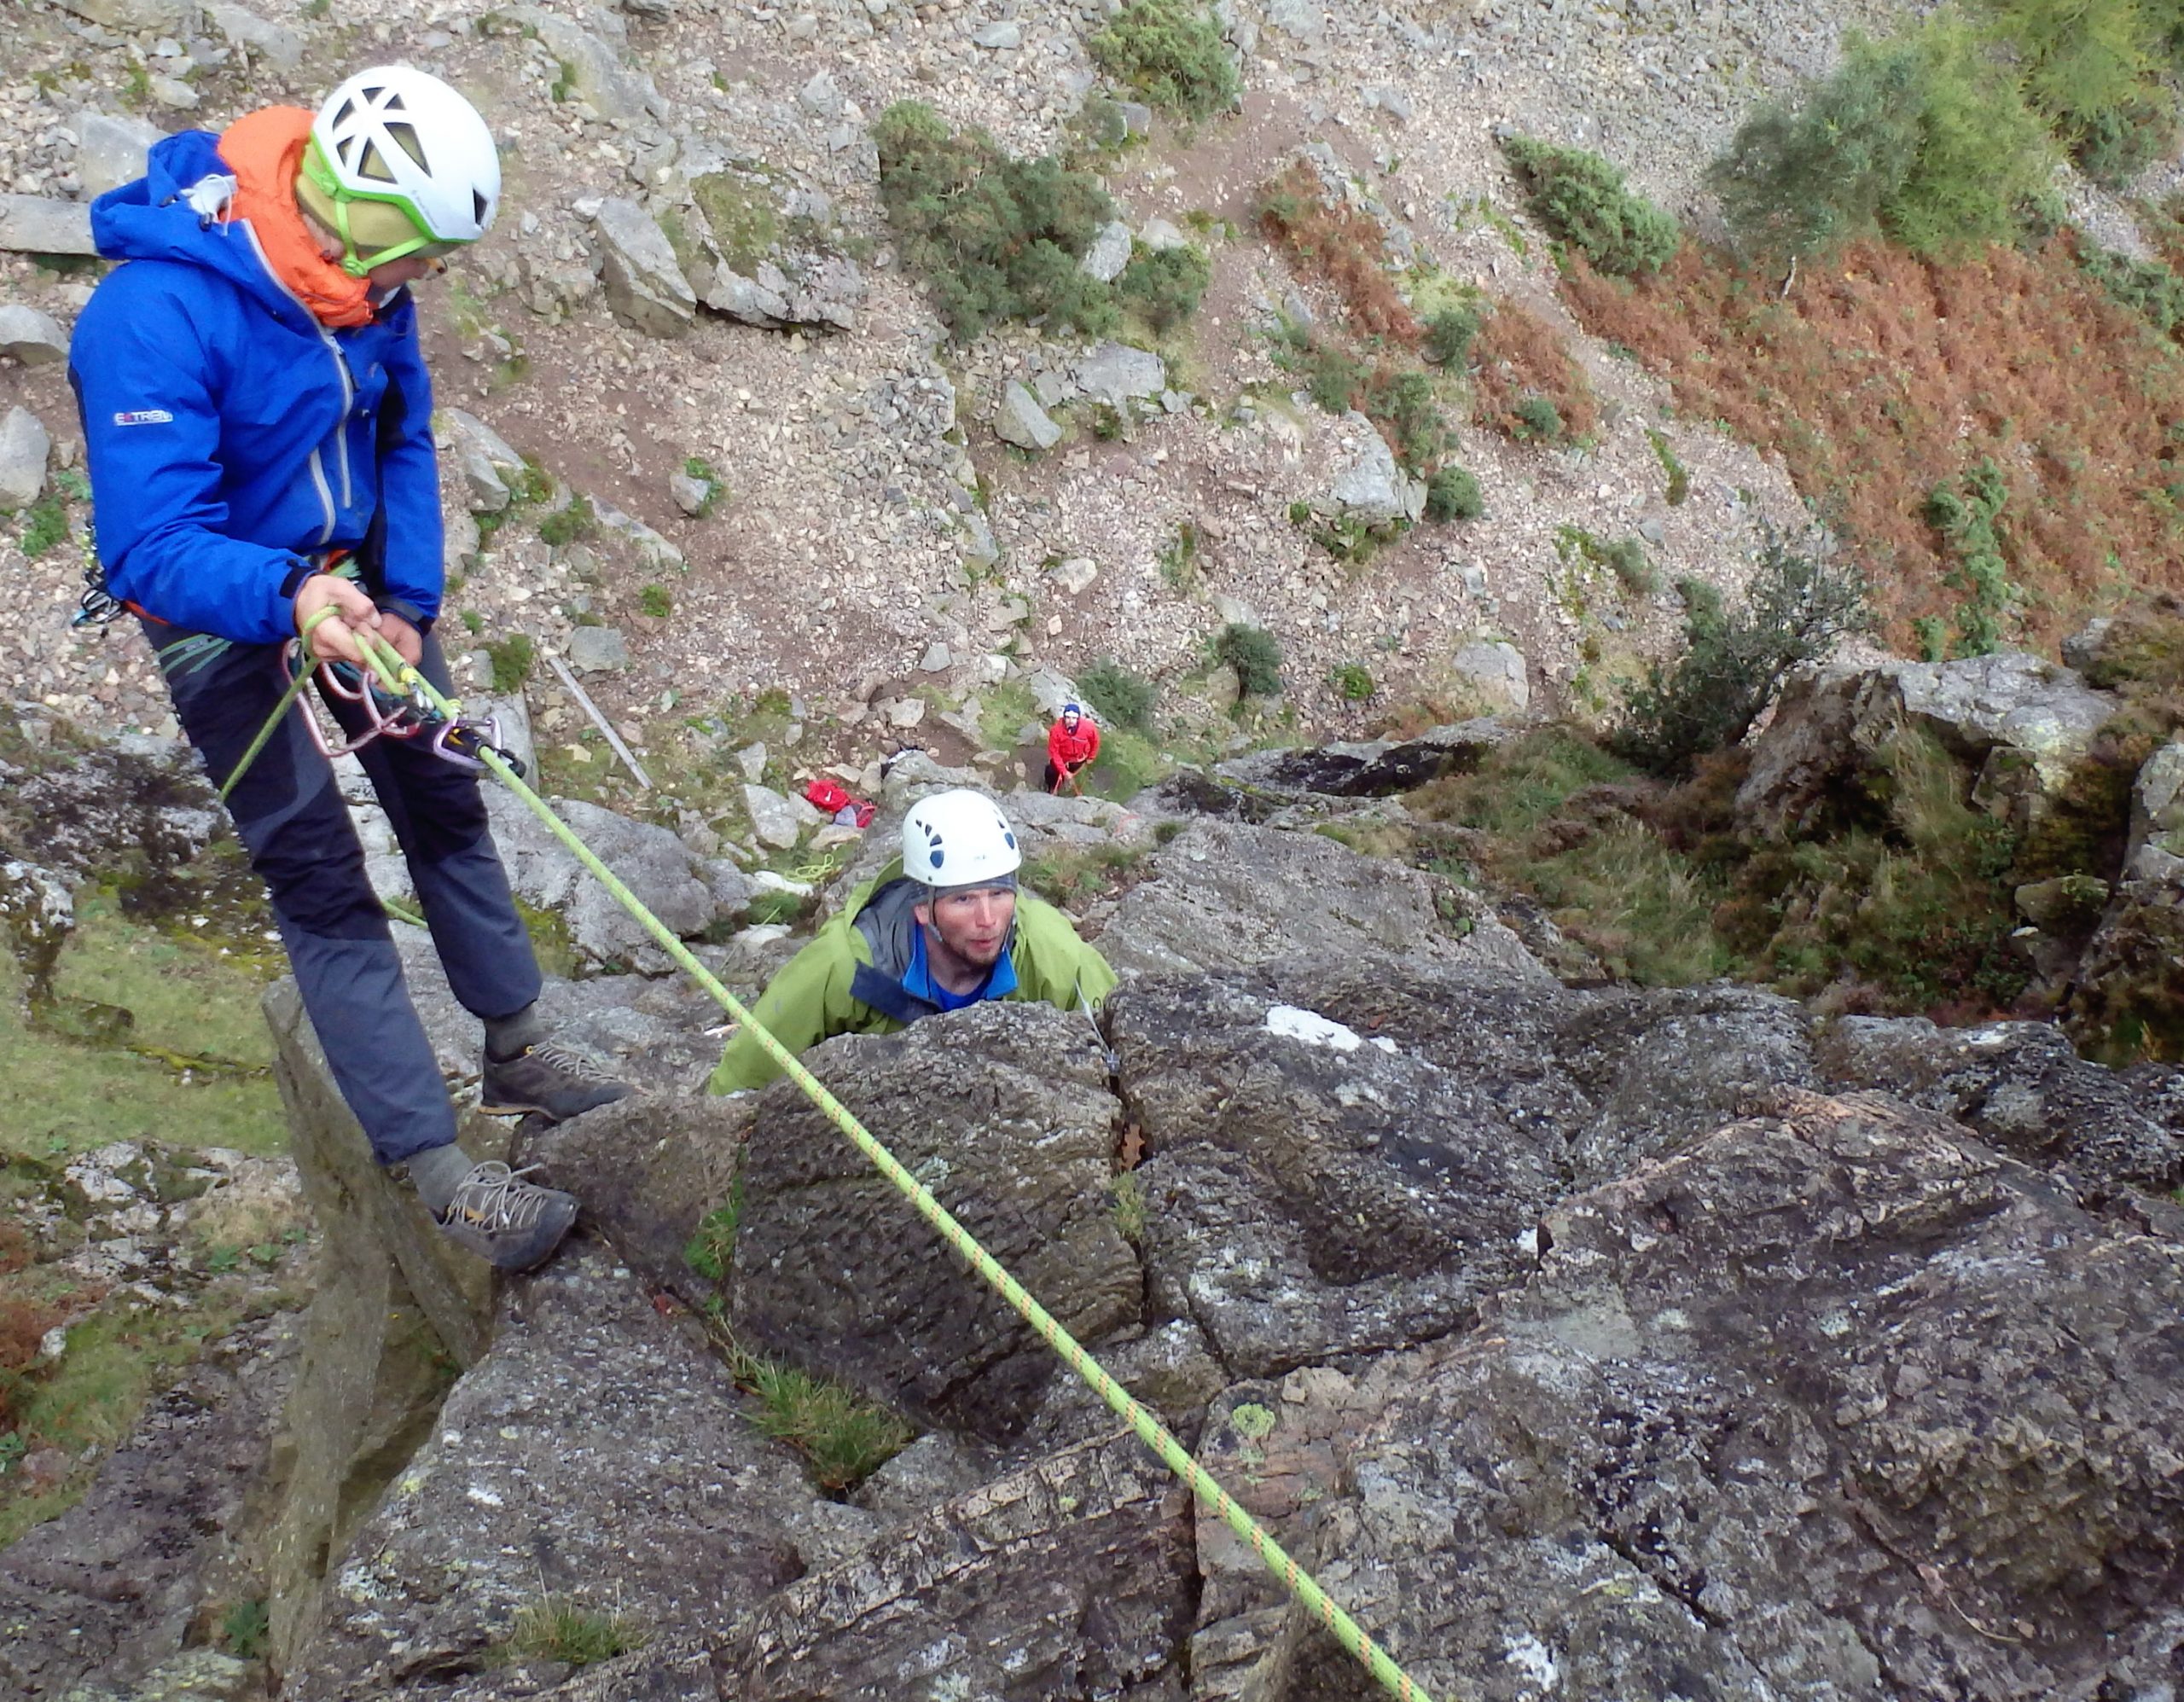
849 979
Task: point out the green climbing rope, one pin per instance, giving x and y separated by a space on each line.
306 667
400 678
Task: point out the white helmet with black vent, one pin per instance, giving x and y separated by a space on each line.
958 839
402 137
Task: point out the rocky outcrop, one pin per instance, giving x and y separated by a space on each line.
1311 1191
2127 995
1837 1403
1221 895
648 1170
595 1460
397 1309
880 1308
2021 1087
1070 1577
138 797
1370 769
2018 722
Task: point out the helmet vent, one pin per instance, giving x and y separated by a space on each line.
372 165
406 136
478 208
394 105
348 110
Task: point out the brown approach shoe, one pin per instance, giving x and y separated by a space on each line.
510 1224
549 1079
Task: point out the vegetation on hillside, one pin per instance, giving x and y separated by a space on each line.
995 237
1170 53
1886 378
1584 200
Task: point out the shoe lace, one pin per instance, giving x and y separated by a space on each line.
568 1062
494 1198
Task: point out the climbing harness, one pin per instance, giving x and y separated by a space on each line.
403 681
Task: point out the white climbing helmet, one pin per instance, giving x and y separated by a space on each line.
402 136
958 838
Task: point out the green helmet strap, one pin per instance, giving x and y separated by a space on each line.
355 263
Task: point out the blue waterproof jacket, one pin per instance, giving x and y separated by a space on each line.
230 434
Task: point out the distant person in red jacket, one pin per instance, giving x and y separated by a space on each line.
1071 743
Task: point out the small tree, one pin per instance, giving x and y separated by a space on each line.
1796 607
1923 137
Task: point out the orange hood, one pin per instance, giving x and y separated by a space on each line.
265 151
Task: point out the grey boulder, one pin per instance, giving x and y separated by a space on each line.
642 280
32 224
110 149
25 444
1021 420
32 337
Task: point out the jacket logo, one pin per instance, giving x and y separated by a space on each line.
144 416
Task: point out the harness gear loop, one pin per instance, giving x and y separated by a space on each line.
400 677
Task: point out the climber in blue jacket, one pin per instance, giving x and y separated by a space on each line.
258 419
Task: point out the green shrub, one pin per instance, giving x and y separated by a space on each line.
1538 420
1679 489
245 1629
567 526
1256 655
1170 53
1351 681
1120 696
1796 607
1404 401
1964 515
1584 200
1922 137
45 526
1178 558
513 658
1626 559
653 600
1163 286
994 237
2145 287
1453 494
1449 334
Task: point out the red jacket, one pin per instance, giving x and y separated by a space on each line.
1066 750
